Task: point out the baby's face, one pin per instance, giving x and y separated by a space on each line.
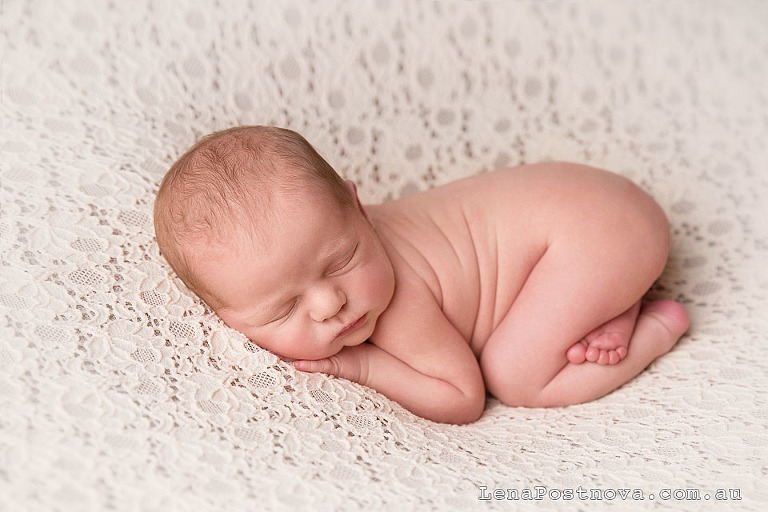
319 286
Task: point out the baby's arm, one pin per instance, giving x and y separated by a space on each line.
418 359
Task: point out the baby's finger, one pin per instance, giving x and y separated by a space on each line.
329 366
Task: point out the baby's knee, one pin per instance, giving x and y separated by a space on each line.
501 383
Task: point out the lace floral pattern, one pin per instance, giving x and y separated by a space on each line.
119 390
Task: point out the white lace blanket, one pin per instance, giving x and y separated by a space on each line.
120 391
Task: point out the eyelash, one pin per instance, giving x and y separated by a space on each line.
346 262
288 313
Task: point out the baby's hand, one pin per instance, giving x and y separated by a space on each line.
350 363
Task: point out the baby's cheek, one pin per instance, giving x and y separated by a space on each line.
382 283
300 341
265 339
257 341
368 284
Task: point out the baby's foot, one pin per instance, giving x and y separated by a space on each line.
672 316
608 344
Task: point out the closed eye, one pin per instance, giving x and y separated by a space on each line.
345 263
286 313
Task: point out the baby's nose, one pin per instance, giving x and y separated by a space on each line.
327 303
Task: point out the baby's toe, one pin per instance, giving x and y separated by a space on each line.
577 353
594 354
614 356
605 357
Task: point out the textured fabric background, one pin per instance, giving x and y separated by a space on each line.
120 391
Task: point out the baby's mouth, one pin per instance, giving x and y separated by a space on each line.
353 326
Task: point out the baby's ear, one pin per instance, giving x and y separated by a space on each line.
353 190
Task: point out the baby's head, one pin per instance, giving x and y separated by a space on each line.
255 222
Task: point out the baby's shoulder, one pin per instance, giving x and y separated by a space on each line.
413 309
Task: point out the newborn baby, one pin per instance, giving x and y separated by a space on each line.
523 282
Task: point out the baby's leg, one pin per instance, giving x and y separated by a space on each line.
525 363
608 343
659 325
575 287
